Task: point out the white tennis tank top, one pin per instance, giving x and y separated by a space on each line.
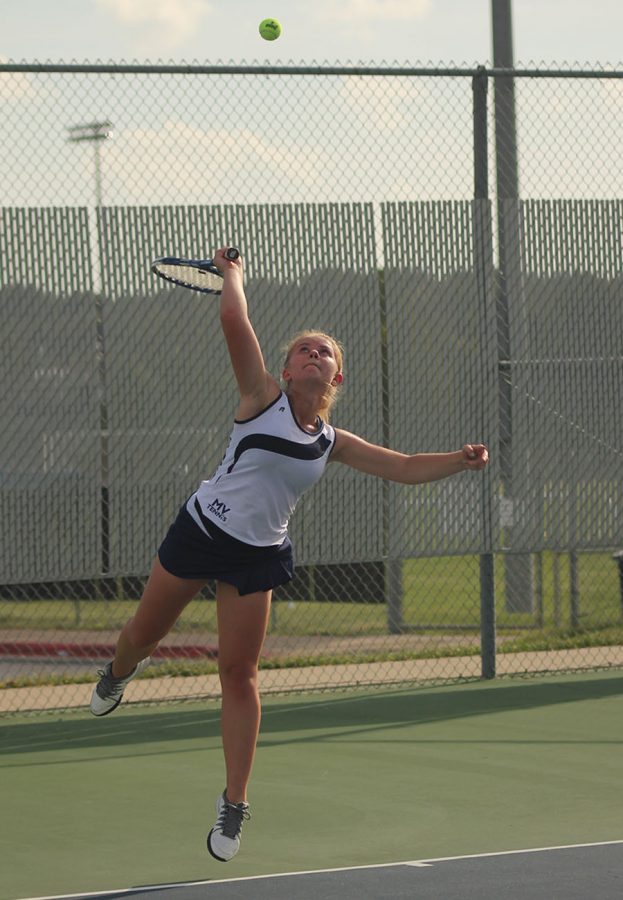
269 463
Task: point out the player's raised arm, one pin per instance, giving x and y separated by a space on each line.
257 387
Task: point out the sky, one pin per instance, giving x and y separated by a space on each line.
546 32
291 139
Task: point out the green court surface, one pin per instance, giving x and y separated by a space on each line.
340 780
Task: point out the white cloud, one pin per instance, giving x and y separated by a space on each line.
385 106
160 24
213 165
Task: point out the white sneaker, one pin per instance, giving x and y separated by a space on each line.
108 691
224 838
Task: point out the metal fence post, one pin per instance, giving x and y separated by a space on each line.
482 263
392 565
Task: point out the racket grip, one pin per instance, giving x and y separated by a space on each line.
232 253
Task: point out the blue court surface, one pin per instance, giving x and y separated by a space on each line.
581 872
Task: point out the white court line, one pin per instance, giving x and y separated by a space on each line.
514 852
416 863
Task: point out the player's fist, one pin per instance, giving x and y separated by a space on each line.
475 456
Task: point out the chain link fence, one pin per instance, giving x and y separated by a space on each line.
458 230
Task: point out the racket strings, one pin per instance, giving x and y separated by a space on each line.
191 276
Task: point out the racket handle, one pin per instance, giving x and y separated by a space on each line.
232 253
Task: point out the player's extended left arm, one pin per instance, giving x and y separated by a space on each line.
416 468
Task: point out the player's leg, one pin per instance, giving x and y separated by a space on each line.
242 623
163 600
161 604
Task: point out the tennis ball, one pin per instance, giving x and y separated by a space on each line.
270 29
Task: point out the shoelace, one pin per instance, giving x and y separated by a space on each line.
108 685
231 818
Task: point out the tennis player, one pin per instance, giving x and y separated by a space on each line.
234 528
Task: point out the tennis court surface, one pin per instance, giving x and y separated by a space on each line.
505 789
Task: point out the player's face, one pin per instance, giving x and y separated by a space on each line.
313 358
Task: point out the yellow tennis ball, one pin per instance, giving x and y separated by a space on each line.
270 29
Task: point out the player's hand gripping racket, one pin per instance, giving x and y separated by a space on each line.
197 274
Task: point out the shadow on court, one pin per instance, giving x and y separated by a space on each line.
287 722
569 873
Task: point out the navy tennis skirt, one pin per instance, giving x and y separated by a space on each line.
188 552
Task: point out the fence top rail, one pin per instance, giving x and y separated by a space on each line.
122 68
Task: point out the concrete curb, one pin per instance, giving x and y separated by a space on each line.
63 650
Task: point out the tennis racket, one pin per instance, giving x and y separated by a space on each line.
196 274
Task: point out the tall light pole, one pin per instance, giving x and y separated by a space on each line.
96 133
504 92
511 300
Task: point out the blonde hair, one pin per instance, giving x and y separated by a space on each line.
331 395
